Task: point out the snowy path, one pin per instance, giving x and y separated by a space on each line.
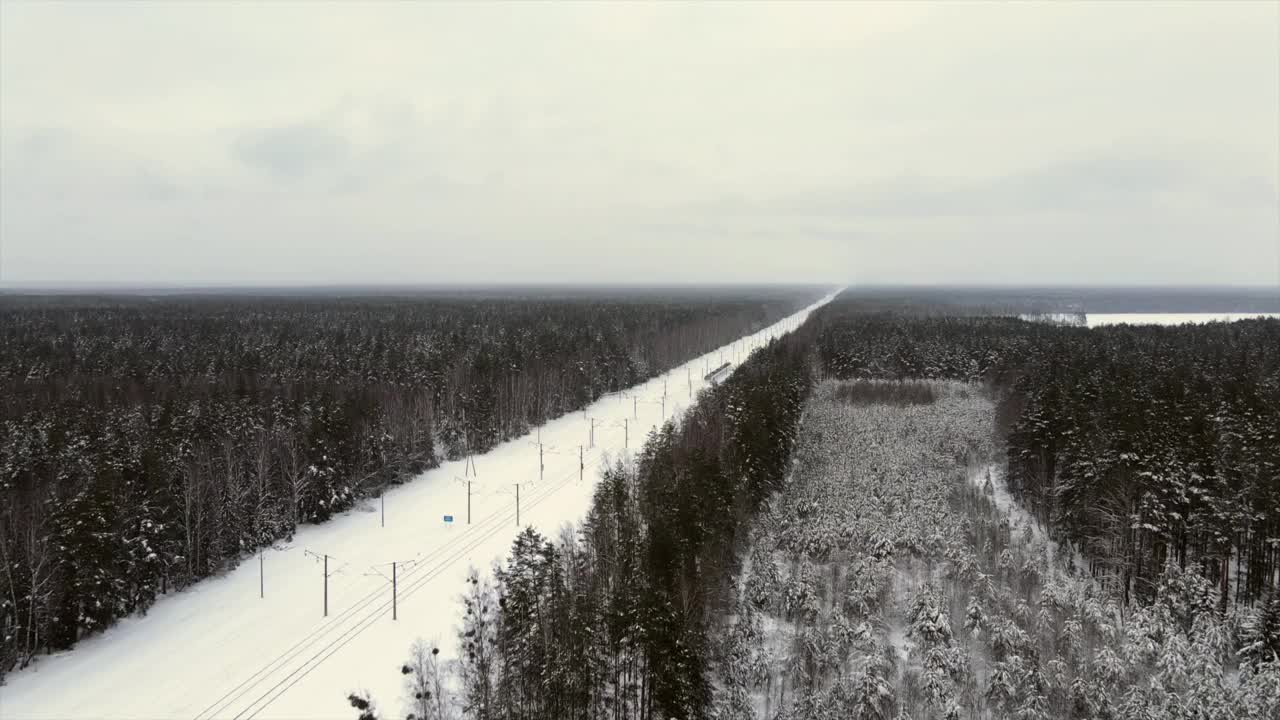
216 650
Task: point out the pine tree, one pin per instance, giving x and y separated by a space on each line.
1262 643
89 555
523 630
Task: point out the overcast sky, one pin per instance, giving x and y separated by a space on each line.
282 143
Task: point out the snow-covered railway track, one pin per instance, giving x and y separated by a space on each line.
438 561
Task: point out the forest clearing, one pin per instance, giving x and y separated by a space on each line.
894 576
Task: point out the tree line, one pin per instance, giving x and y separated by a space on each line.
149 442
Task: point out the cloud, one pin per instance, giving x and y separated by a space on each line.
425 142
1110 181
292 152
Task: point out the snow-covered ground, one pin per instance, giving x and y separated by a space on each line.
1019 517
1099 319
1056 318
216 650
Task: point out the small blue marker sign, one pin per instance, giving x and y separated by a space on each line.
448 518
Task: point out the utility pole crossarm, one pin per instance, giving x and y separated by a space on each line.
393 580
325 558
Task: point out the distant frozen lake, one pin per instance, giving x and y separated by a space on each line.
1099 319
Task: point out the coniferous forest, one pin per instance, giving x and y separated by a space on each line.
909 507
895 576
1140 444
984 517
147 442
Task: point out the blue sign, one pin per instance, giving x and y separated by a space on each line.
448 518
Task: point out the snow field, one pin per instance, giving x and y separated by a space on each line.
1101 319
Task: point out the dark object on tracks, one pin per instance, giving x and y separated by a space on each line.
718 374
